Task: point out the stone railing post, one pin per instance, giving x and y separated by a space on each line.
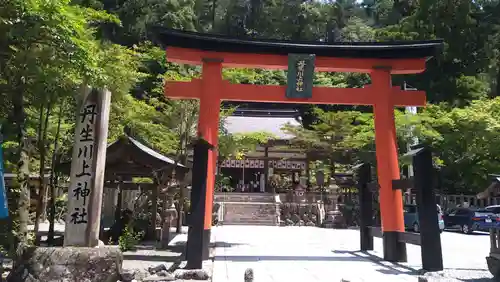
169 215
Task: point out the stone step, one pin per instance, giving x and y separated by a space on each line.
259 223
250 209
244 219
256 194
244 197
241 220
246 203
248 213
229 216
241 200
250 220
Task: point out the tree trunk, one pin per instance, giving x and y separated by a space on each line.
184 141
40 176
23 170
41 206
180 151
52 216
43 215
180 207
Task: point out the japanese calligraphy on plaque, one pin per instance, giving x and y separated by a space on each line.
91 121
300 75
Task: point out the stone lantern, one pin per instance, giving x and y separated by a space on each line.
168 216
299 193
334 218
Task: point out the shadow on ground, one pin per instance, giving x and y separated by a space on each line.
173 253
476 233
148 251
156 257
477 279
220 244
390 268
287 258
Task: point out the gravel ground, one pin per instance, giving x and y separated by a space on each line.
321 255
464 256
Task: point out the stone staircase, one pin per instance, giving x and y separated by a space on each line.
247 209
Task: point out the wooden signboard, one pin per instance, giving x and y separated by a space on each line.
300 75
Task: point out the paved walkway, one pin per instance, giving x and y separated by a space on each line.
313 254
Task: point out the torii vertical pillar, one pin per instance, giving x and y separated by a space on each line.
208 128
391 201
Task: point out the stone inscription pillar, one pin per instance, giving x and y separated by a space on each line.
87 168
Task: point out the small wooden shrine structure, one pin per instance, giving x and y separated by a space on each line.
127 159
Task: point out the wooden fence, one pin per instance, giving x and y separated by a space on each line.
445 201
451 201
110 201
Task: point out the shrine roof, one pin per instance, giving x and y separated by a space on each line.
127 156
152 152
32 175
130 143
374 50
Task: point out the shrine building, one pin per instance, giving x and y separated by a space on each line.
252 172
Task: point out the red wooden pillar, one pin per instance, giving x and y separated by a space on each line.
208 129
391 201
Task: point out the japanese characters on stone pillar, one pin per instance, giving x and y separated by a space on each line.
87 168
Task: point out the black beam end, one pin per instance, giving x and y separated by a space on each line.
400 184
410 238
394 249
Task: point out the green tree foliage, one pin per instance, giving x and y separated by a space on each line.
467 145
47 51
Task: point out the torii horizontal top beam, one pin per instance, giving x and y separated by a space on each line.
400 57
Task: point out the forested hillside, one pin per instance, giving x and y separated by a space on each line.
49 48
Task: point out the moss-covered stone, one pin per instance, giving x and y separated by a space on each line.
68 264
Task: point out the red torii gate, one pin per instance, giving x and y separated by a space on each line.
380 60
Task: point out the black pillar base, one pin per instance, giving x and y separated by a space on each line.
365 207
206 244
198 248
394 250
430 247
366 239
197 243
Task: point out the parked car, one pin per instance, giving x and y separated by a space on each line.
469 220
494 209
411 218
